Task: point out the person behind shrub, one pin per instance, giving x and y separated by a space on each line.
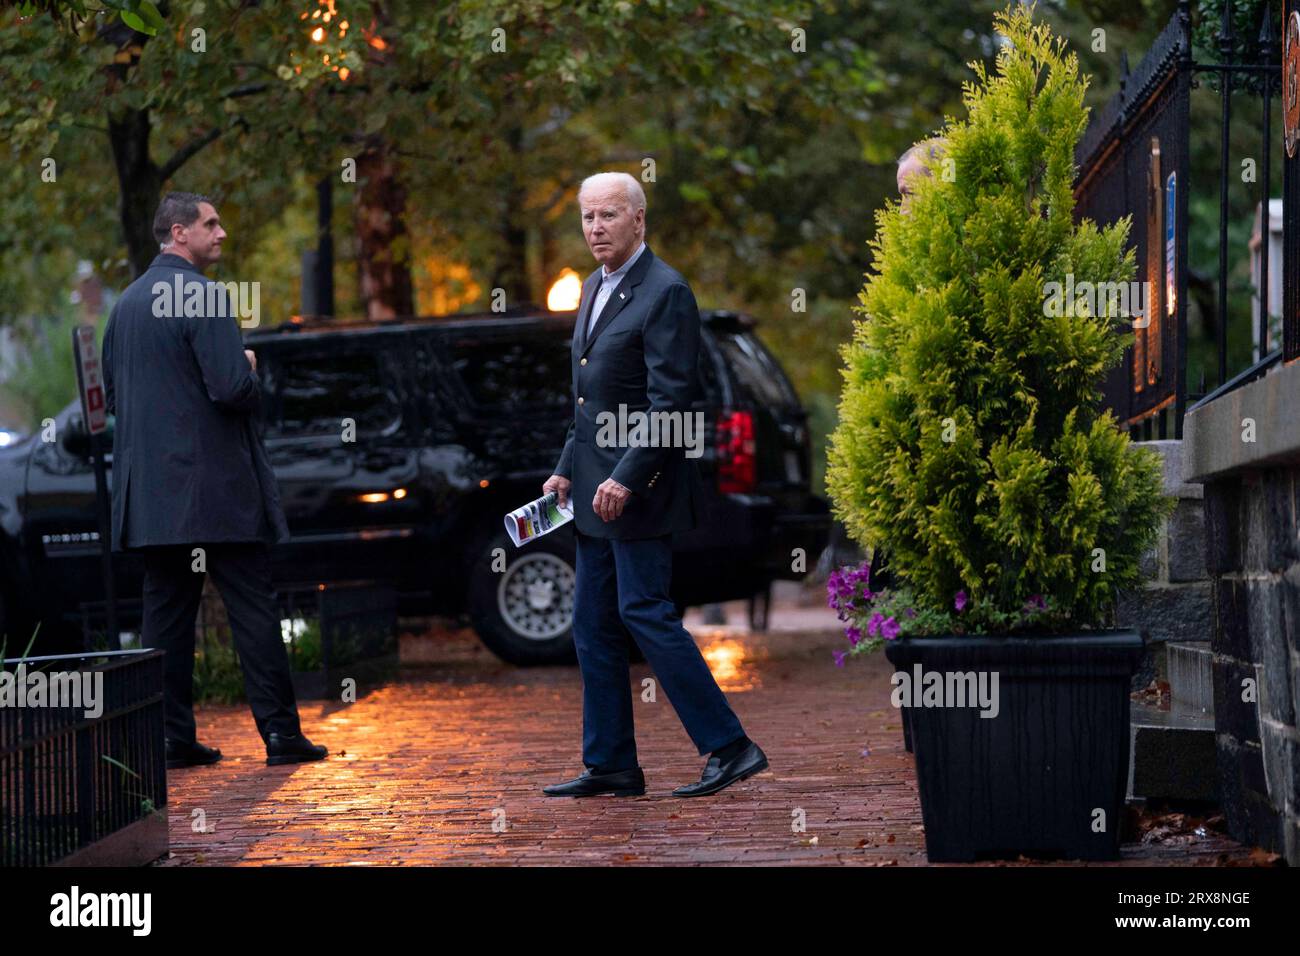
913 162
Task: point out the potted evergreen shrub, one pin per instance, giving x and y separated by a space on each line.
971 447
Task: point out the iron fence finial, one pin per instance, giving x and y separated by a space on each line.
1267 34
1226 36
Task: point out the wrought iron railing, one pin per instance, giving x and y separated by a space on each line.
1134 160
69 780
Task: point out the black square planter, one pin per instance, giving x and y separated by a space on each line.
1045 777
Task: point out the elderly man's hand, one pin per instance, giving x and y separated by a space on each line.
560 485
610 499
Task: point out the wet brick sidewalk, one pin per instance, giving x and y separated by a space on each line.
445 766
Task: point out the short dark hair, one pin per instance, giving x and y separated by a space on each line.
175 208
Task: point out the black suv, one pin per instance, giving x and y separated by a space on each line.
455 421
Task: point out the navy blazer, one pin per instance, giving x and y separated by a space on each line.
643 354
189 466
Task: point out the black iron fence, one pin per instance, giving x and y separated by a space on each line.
81 757
1290 86
1135 160
355 635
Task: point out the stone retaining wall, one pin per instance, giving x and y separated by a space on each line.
1245 448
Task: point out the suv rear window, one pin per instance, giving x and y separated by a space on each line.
313 393
531 374
756 370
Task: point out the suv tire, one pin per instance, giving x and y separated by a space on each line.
524 614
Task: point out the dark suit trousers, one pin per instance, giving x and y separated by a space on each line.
242 574
625 584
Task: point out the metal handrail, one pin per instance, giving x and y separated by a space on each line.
1242 378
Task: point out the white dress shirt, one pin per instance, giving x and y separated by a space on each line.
608 283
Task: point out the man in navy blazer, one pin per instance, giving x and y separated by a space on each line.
629 466
193 489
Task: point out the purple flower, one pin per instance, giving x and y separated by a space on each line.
910 612
1036 602
833 588
853 634
889 629
839 657
959 600
873 625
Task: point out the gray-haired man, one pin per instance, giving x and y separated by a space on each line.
636 347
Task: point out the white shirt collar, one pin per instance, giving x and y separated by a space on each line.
622 270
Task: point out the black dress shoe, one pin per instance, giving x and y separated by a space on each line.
189 754
286 748
718 774
621 783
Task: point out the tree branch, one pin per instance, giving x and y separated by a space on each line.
186 152
90 126
249 89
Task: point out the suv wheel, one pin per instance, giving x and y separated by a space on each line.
524 614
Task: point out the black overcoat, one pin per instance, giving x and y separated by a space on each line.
189 466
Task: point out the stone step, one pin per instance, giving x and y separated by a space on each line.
1171 755
1191 676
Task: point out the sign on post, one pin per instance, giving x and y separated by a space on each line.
94 412
91 380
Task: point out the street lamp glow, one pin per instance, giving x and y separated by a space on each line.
565 292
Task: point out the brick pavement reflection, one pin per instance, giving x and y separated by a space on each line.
445 766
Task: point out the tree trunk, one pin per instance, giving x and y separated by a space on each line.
383 246
511 270
139 185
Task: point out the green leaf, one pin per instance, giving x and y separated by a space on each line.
136 23
151 16
120 766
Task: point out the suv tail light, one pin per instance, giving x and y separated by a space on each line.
737 464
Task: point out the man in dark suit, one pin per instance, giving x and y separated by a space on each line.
636 349
193 489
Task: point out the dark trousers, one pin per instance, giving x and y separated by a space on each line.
172 591
624 584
